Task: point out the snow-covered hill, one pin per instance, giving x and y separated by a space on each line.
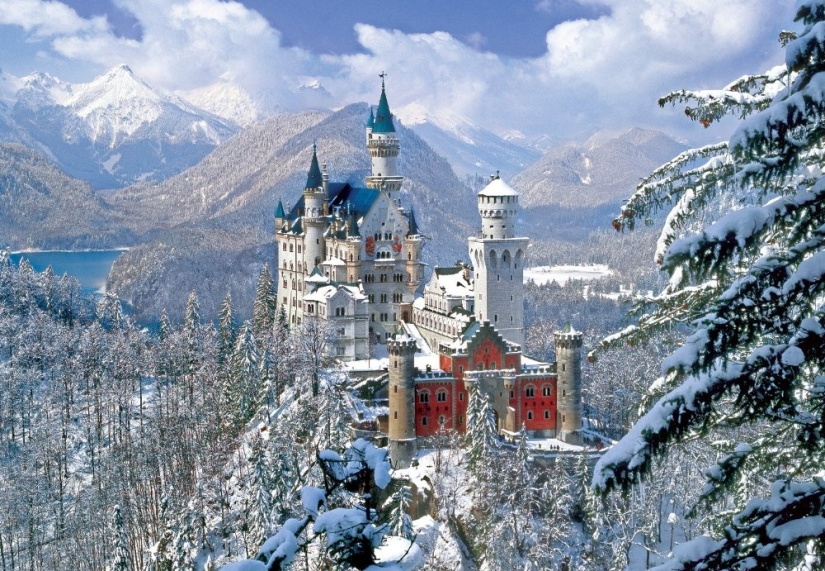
471 150
114 130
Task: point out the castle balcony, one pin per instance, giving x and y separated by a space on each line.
378 142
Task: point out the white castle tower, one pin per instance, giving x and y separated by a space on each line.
383 146
498 257
314 220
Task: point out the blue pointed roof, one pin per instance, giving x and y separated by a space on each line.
314 179
370 119
279 210
383 117
413 224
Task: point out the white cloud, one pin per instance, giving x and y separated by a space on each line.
45 19
598 73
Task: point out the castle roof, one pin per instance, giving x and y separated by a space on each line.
370 120
314 179
383 118
498 187
413 224
357 201
279 210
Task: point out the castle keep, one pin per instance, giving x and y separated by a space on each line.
350 256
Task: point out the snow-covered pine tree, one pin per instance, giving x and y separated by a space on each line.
265 306
164 326
399 520
226 330
192 313
751 286
243 385
120 556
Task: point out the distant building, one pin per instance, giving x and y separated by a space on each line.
350 256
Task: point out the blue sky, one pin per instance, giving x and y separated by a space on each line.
556 67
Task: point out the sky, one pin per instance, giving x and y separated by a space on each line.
559 68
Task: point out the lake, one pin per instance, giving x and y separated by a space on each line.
91 267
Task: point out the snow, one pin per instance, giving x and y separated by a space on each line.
793 356
312 499
498 187
245 565
408 555
562 274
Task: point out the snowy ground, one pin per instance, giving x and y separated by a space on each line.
562 274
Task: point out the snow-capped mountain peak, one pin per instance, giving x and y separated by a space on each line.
115 115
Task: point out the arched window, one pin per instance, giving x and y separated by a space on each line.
441 396
423 421
530 391
545 391
546 414
424 397
529 415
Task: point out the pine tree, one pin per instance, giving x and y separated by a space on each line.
164 326
264 308
226 330
242 387
192 313
399 520
751 285
120 559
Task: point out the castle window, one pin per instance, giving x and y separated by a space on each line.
371 298
441 396
529 415
545 391
290 247
284 246
562 367
564 393
460 419
299 248
530 392
339 351
383 298
424 397
461 396
512 394
461 368
441 420
546 414
423 421
395 414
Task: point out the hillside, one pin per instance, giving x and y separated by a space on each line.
43 208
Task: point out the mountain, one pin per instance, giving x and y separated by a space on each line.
115 130
41 207
576 188
471 150
210 227
604 169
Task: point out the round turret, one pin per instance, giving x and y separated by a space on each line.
383 145
402 440
569 386
498 208
313 218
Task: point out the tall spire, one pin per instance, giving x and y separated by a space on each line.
383 118
413 231
314 178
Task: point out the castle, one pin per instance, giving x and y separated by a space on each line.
350 256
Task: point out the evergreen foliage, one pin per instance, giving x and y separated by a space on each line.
750 284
